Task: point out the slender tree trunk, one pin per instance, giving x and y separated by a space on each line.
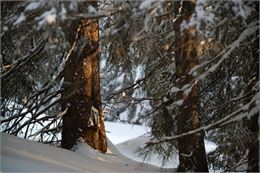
192 154
252 125
253 155
252 78
81 97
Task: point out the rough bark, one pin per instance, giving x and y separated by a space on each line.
252 78
253 127
253 155
81 97
192 154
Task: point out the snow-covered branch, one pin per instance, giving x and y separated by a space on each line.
243 112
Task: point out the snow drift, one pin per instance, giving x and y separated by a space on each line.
19 155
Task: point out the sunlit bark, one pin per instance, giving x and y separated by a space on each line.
191 148
83 119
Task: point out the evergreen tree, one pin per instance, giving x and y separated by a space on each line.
81 99
188 69
192 154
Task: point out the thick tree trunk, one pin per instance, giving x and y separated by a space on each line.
81 97
192 154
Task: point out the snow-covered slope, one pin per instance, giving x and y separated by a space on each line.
19 155
128 138
129 148
119 132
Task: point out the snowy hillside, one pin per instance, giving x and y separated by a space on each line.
128 148
128 138
120 132
19 155
26 156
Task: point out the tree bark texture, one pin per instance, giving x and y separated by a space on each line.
192 154
253 154
251 79
81 98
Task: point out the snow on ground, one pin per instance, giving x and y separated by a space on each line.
129 148
19 155
128 138
120 132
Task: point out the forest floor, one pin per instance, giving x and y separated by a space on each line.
19 155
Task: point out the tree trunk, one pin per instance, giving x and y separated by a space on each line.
252 77
253 155
83 118
192 154
252 124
